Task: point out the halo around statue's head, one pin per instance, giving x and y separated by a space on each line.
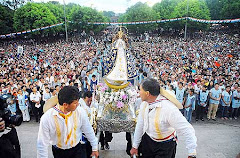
121 28
120 32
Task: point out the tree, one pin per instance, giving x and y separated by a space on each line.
197 9
57 9
140 12
6 20
33 15
165 8
230 9
108 13
80 16
215 7
224 9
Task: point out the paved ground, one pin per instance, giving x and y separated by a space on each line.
220 139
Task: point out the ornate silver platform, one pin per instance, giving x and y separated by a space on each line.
116 125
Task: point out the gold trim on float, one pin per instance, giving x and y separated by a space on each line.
116 87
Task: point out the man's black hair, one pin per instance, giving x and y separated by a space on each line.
87 94
228 86
57 86
75 84
145 74
152 86
192 90
68 94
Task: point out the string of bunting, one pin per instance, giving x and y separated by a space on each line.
167 20
128 23
28 31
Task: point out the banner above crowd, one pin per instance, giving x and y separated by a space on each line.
28 31
128 23
167 20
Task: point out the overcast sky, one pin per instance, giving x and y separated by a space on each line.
118 6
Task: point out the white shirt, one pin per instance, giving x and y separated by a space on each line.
175 84
197 89
54 130
35 96
170 119
84 106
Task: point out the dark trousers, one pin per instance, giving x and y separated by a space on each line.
105 139
224 111
234 112
37 111
199 112
88 149
9 145
153 149
79 151
129 145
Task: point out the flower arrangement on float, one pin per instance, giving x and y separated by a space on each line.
117 103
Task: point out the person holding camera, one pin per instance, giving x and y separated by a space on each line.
9 143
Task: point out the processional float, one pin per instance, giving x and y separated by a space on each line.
116 95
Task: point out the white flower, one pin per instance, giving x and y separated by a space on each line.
122 93
111 98
115 98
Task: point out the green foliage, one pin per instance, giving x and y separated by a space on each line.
224 9
215 7
33 15
6 20
140 12
57 9
108 14
230 9
165 8
196 9
80 16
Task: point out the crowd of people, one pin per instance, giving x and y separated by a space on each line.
202 71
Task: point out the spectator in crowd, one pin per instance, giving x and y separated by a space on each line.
190 105
35 98
226 101
205 59
22 102
215 96
202 102
235 103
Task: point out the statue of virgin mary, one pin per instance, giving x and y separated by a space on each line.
119 66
